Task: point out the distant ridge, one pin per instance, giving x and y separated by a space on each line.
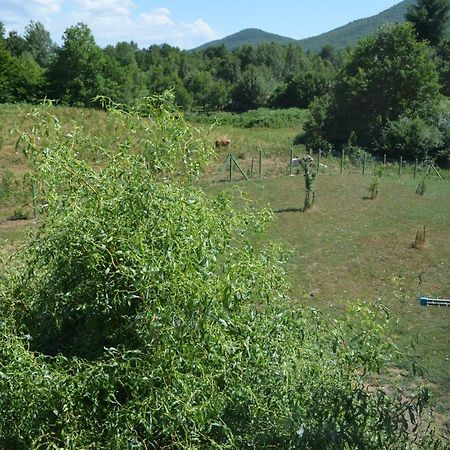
251 36
349 34
339 38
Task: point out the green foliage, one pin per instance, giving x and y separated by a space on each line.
261 118
310 177
39 43
423 135
141 316
374 187
21 78
387 76
252 90
16 44
355 153
411 138
314 125
430 19
300 91
6 184
76 75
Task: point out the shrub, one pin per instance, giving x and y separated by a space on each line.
410 137
143 317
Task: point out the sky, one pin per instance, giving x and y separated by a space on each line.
185 23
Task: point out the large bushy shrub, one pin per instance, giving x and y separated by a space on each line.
424 135
141 316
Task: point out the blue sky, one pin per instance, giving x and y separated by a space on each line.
186 23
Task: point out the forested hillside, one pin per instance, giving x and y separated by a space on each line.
340 38
349 34
250 36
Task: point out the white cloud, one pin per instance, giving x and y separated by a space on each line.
200 28
157 18
111 21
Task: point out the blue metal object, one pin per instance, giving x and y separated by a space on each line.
424 301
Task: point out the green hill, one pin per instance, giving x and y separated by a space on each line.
251 36
339 38
347 35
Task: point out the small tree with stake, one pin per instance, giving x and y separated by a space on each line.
310 178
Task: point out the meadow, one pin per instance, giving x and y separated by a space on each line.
347 248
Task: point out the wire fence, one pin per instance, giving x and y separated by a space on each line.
242 167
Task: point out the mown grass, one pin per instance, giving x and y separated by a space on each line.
346 248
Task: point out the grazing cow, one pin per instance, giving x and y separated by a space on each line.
223 142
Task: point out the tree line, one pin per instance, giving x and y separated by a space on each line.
388 94
34 67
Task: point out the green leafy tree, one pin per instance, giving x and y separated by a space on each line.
16 44
228 68
76 75
443 65
430 19
21 78
253 89
7 74
386 76
247 55
301 90
39 43
207 93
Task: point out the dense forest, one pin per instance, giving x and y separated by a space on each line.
211 79
388 94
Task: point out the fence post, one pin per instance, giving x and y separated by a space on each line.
260 164
384 162
415 168
342 161
400 163
230 169
319 154
364 164
291 156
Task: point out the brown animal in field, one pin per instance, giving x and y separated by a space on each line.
223 142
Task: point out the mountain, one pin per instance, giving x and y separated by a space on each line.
349 34
251 36
339 38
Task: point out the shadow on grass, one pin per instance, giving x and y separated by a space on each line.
289 210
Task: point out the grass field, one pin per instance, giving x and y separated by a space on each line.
346 248
349 248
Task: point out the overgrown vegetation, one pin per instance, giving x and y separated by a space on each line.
141 315
260 118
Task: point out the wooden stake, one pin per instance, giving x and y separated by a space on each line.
239 167
260 163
